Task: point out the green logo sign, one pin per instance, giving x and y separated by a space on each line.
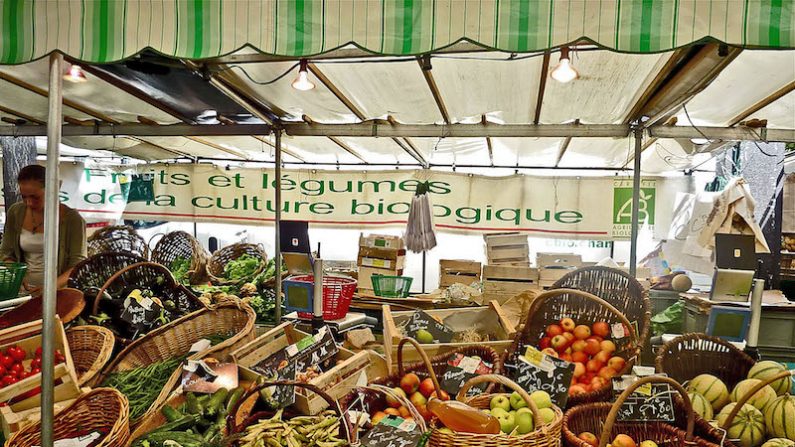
622 206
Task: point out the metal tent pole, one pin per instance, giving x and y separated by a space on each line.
633 249
54 122
277 250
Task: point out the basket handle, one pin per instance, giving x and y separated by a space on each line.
502 380
613 414
333 404
756 388
425 359
556 293
115 276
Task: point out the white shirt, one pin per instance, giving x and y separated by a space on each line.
32 245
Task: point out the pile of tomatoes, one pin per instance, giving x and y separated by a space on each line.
14 365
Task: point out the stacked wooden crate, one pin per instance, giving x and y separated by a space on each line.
503 282
552 266
507 249
379 255
453 271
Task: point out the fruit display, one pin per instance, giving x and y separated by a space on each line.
589 348
748 425
15 366
515 416
620 440
322 430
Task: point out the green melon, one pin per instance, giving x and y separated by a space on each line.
760 399
748 426
780 417
767 369
712 388
779 442
701 406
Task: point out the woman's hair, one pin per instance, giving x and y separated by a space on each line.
32 173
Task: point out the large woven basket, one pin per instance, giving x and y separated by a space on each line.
544 435
219 259
749 394
176 338
601 418
179 244
90 274
91 348
68 306
103 409
373 398
585 308
618 288
117 239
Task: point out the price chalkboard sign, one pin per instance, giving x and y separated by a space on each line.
549 374
390 432
422 320
321 349
277 367
650 402
459 370
141 315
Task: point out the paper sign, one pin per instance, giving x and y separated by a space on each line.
650 402
422 320
200 345
552 375
199 377
386 434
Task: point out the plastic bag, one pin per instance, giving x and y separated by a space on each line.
669 321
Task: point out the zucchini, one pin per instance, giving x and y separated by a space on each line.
192 404
171 414
181 424
216 402
234 396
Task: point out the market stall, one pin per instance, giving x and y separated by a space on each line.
277 344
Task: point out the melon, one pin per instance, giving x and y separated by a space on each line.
701 406
779 442
780 417
767 369
760 399
748 426
712 388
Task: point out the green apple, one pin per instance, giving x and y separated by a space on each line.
424 337
648 443
498 412
541 399
524 422
487 411
500 401
446 430
523 410
507 422
547 415
517 401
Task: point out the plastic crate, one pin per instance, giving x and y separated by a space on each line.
337 294
662 299
392 286
11 276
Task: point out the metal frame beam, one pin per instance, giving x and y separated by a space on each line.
724 133
542 87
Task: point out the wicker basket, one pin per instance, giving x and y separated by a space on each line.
117 239
234 427
544 435
372 398
219 259
91 348
90 274
616 287
584 308
601 418
176 338
69 304
179 244
102 409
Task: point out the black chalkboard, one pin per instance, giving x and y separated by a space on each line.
421 320
277 367
139 317
650 402
454 377
316 353
553 376
385 434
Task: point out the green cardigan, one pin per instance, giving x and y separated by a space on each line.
71 237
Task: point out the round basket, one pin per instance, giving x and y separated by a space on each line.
618 288
372 398
176 338
236 427
103 409
219 259
91 348
544 435
179 244
90 274
601 417
69 304
117 239
584 308
337 294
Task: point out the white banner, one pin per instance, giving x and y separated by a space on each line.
571 208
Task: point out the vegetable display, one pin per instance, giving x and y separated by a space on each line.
322 430
142 385
180 268
15 366
241 268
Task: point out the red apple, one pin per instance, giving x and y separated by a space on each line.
579 369
608 346
607 373
601 329
569 336
410 383
617 363
578 345
550 352
582 332
589 438
559 343
592 347
418 399
623 440
442 396
391 401
567 324
566 356
545 342
598 382
579 356
577 389
602 356
426 387
553 330
377 417
423 411
593 366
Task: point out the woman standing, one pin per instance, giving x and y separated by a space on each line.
23 240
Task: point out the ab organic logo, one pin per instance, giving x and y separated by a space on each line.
622 206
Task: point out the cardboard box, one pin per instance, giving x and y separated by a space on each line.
507 249
503 330
381 241
453 271
502 282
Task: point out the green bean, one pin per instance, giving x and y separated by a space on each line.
142 385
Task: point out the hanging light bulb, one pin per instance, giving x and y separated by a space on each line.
564 72
75 74
302 82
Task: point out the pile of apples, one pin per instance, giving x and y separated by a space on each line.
588 348
514 414
417 392
621 440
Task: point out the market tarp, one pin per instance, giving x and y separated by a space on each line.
111 30
594 208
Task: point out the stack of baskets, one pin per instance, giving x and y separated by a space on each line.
90 274
117 239
179 244
219 259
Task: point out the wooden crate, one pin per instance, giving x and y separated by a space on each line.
13 421
507 249
28 337
453 271
365 282
381 241
393 319
351 369
503 282
553 266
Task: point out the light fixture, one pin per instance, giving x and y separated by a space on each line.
564 72
699 141
75 74
302 82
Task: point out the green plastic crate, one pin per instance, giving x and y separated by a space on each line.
391 286
11 276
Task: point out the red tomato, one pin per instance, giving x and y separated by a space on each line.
59 359
17 368
35 363
2 370
38 352
24 375
6 361
35 371
17 353
8 380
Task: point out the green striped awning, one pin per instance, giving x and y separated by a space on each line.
111 30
